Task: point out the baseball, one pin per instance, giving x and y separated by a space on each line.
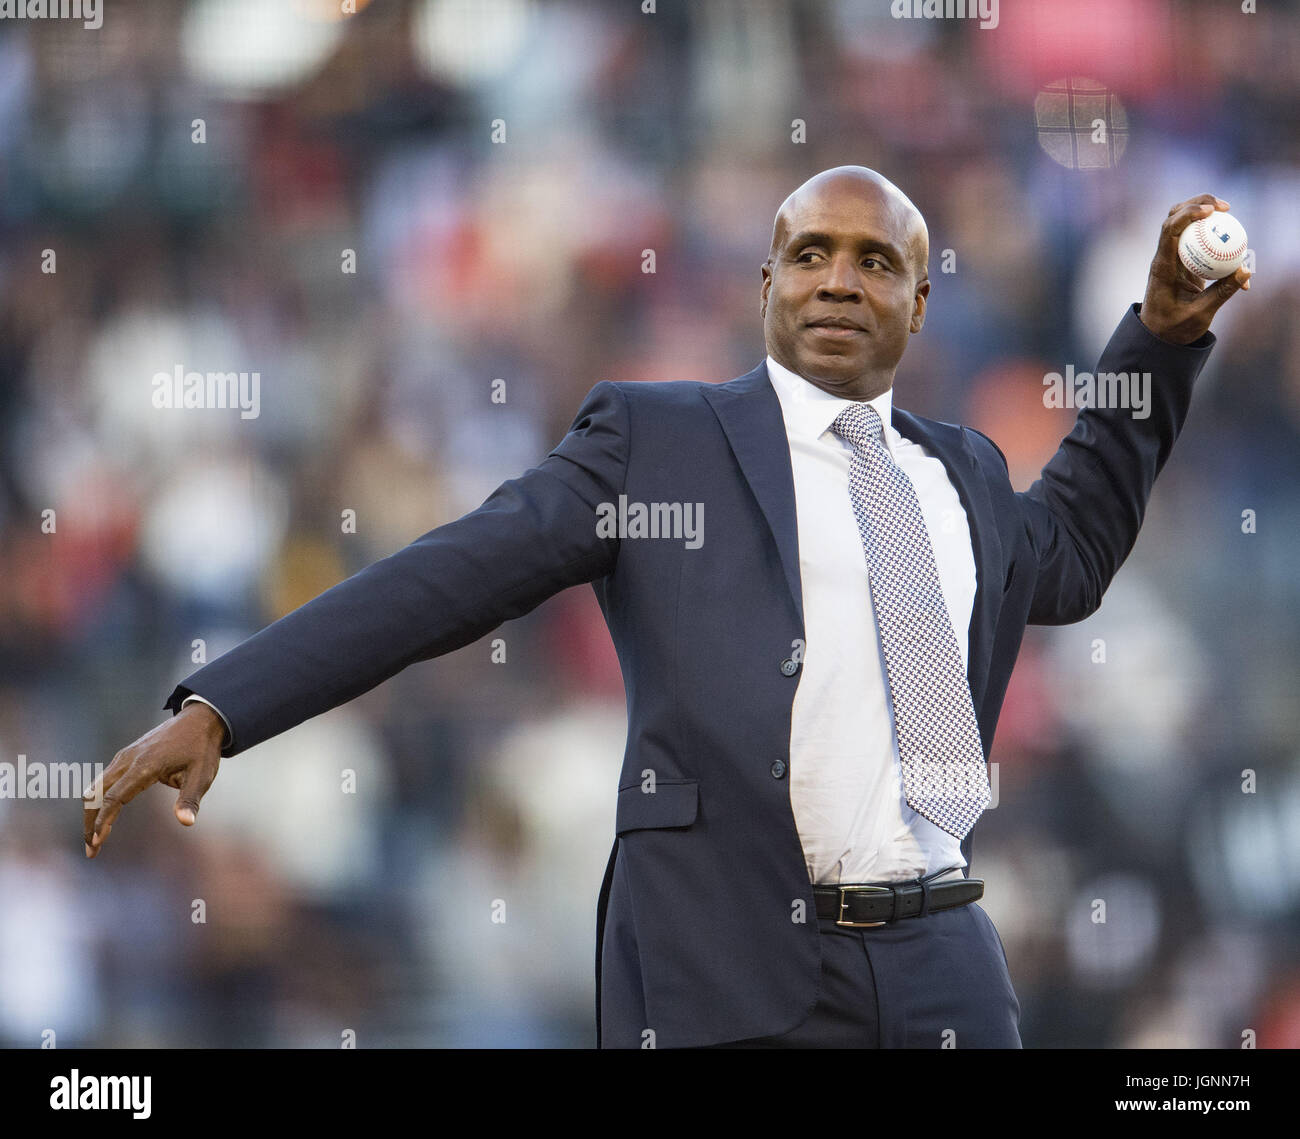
1213 247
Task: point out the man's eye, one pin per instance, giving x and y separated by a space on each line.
806 253
870 261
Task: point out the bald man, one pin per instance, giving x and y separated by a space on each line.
850 350
813 685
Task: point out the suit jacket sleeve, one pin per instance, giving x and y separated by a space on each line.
534 536
1083 514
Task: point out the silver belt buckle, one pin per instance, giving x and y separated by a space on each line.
844 902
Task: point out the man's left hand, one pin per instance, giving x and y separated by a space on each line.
1177 307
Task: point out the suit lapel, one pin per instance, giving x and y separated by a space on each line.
750 414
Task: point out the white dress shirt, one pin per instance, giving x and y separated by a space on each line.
846 786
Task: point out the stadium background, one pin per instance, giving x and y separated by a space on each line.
522 260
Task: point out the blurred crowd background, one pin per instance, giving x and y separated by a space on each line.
194 174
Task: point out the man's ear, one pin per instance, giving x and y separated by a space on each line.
918 305
767 287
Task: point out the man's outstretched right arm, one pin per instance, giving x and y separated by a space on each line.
534 536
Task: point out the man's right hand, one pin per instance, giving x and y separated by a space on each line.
183 752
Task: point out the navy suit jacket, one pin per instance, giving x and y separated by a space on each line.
698 933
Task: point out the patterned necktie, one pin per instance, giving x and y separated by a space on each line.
939 747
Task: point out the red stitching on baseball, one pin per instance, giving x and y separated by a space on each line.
1219 254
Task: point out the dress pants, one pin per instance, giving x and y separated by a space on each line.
920 982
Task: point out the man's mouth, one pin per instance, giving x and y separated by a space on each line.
839 328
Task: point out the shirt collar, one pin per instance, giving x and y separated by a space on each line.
809 411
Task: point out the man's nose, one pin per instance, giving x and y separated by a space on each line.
841 280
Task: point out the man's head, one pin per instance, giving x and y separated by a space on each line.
847 247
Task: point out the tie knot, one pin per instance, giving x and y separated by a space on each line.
859 423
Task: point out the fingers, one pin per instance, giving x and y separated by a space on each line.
1219 291
94 797
125 788
198 778
1200 200
1183 214
183 752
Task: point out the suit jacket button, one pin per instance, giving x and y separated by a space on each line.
789 667
778 770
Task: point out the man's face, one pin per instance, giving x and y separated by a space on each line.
840 293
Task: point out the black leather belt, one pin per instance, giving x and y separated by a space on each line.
859 907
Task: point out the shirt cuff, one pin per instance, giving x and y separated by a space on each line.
225 743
